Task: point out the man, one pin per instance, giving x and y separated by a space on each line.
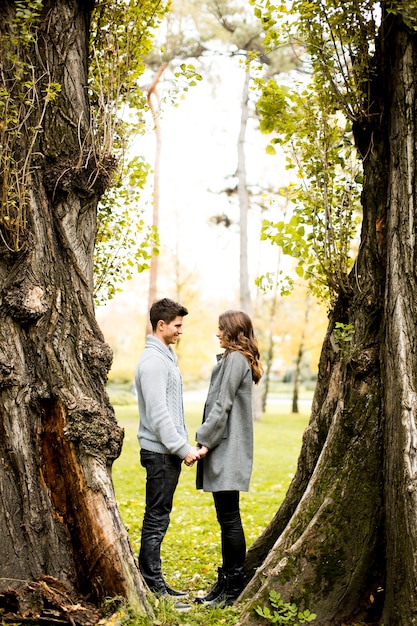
162 435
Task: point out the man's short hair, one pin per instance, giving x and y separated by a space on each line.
166 310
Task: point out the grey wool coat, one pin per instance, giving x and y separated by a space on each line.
227 428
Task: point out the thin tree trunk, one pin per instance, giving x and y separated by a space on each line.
269 360
59 435
243 197
297 373
154 95
244 203
266 378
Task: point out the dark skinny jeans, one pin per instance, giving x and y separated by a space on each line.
232 535
162 474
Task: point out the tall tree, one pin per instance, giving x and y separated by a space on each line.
228 28
343 541
154 102
299 358
243 199
176 45
59 436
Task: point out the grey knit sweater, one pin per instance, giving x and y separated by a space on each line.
159 387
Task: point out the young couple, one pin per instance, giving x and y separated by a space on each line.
224 441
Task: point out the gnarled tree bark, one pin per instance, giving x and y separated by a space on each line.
343 543
59 436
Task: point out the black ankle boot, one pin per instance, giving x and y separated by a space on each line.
217 589
233 586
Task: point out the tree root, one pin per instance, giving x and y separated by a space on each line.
46 601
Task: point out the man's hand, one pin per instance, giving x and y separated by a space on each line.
193 456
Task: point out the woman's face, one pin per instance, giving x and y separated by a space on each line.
220 336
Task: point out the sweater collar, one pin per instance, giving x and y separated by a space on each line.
153 342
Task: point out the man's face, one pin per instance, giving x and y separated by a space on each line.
169 333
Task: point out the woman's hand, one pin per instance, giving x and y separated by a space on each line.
203 450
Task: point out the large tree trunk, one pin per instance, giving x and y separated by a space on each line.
343 543
59 436
399 358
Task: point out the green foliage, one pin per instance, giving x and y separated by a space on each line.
165 614
124 245
283 612
18 98
339 38
121 37
325 204
188 72
27 14
271 106
271 281
314 124
343 335
407 9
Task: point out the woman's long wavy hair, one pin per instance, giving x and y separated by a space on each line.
238 335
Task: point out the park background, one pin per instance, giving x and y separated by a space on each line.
199 264
198 258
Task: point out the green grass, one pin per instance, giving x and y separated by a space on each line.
191 548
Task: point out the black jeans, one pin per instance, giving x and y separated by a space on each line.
233 537
162 474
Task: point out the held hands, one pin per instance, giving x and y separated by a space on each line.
192 456
195 454
203 450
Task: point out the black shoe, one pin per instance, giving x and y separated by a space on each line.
174 593
232 588
215 591
160 590
163 593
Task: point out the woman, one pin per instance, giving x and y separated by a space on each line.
225 439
